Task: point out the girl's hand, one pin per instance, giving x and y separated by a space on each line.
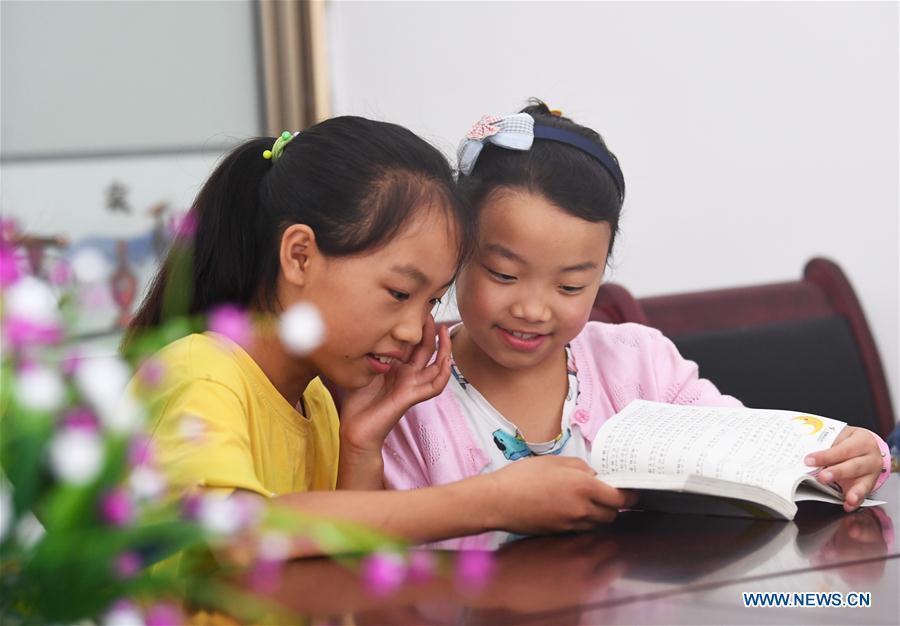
368 414
552 494
854 462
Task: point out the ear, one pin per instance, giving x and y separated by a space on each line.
298 252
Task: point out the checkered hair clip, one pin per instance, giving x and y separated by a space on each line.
514 132
518 132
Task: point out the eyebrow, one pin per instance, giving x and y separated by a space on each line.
414 273
505 252
580 267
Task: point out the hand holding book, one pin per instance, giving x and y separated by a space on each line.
732 461
854 462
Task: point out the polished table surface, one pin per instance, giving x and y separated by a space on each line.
645 568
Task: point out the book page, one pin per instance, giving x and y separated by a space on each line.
761 447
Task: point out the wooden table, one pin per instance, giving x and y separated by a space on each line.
643 569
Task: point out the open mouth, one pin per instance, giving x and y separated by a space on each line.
381 363
520 340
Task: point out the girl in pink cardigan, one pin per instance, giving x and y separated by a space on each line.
530 375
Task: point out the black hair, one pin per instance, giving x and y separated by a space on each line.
565 175
355 182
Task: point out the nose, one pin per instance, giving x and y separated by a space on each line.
408 330
530 308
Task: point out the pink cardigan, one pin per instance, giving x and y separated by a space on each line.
616 363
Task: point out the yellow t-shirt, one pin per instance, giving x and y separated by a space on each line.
218 422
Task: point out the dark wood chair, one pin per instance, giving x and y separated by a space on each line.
803 345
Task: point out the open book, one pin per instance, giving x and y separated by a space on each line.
715 461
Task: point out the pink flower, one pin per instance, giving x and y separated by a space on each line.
265 577
383 573
140 451
232 322
22 332
183 227
422 566
81 417
127 564
151 372
164 614
116 508
8 229
474 569
60 274
485 127
10 271
191 505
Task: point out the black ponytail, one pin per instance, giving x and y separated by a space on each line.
355 182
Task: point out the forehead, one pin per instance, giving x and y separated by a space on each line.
427 242
538 230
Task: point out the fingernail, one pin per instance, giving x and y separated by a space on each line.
810 460
828 476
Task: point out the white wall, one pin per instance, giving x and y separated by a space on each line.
753 136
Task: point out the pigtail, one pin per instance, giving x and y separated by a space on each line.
216 255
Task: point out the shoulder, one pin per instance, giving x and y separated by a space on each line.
201 357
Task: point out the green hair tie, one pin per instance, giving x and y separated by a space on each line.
278 147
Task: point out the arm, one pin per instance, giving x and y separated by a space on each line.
513 499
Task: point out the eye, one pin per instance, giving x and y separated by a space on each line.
434 301
399 296
503 278
571 289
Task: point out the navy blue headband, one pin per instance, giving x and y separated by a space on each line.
585 145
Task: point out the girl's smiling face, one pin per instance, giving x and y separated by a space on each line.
375 304
529 289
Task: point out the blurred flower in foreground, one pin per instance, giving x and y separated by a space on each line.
422 566
232 322
117 508
10 269
31 314
474 570
76 455
183 226
128 564
90 266
123 613
223 516
164 614
301 329
102 380
383 573
40 389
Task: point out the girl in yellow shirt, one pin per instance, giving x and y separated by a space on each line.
361 220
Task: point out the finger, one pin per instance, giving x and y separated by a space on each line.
857 491
435 371
608 496
436 377
603 514
444 345
850 470
852 446
571 462
425 348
